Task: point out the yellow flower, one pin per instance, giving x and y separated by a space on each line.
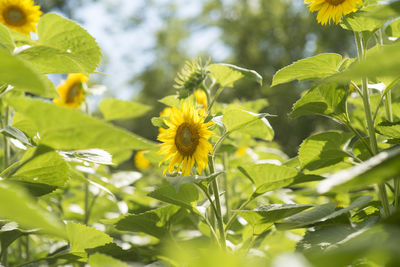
140 161
20 15
185 141
201 98
241 151
332 10
71 91
166 112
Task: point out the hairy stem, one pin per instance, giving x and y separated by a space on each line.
370 124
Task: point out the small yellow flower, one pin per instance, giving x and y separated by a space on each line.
332 10
201 98
140 161
185 141
71 91
20 15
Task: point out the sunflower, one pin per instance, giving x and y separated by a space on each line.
185 141
190 77
71 91
20 15
332 10
201 98
140 160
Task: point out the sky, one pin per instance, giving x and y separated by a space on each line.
128 50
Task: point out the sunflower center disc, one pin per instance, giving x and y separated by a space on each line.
72 92
15 16
186 136
335 2
186 139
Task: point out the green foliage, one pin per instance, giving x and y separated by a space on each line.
82 237
12 69
101 260
6 40
91 133
26 212
317 67
226 75
379 168
63 47
247 122
114 109
329 100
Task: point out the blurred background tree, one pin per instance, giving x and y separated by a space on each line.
264 35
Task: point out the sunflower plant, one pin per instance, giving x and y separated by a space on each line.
212 188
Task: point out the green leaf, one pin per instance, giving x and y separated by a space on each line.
114 109
77 130
268 177
361 20
6 40
101 260
63 47
320 66
329 100
82 237
306 218
151 222
18 206
171 100
393 30
226 75
390 129
42 165
377 169
272 213
248 122
185 196
386 11
322 150
380 61
15 133
12 69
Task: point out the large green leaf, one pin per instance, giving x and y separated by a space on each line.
185 196
152 222
381 61
82 237
320 66
390 129
101 260
272 213
67 129
361 20
22 76
322 150
267 177
248 122
44 166
63 47
326 99
377 169
386 11
114 109
393 29
226 75
16 205
6 40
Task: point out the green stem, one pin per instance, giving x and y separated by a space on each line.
86 215
396 192
233 217
6 147
370 124
226 187
218 214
